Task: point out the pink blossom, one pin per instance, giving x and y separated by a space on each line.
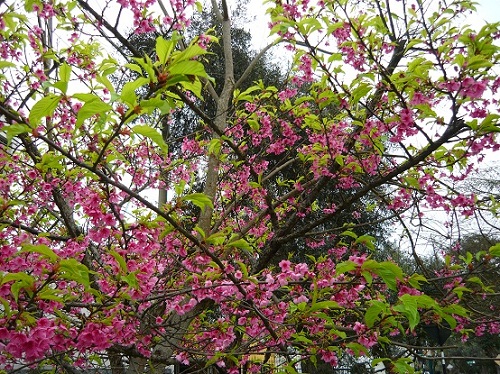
472 88
359 328
182 357
203 41
287 94
404 289
450 85
329 357
300 299
285 266
419 98
368 341
358 260
251 107
342 33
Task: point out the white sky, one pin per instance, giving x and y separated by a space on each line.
489 10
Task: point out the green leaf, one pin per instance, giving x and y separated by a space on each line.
344 267
409 308
15 289
200 200
50 161
459 60
388 271
412 182
65 72
362 90
6 307
22 281
134 67
22 277
188 68
61 86
128 95
415 63
477 62
326 304
403 366
131 280
163 49
64 77
91 108
456 309
416 279
451 321
376 361
358 349
246 95
349 233
243 268
368 277
216 239
152 134
13 130
254 125
120 260
174 79
105 81
309 25
6 64
157 103
43 108
372 313
147 64
367 241
214 147
475 280
301 338
460 291
240 243
200 231
41 249
49 294
71 269
195 87
495 250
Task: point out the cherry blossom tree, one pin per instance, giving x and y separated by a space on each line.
391 101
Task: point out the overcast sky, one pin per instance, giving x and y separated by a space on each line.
489 10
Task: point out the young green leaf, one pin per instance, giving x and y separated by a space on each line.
43 108
152 134
71 269
240 243
163 49
41 249
13 130
188 68
200 200
120 260
495 250
91 108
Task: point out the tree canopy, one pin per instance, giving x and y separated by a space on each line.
386 106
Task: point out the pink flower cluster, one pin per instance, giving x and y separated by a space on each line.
468 87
